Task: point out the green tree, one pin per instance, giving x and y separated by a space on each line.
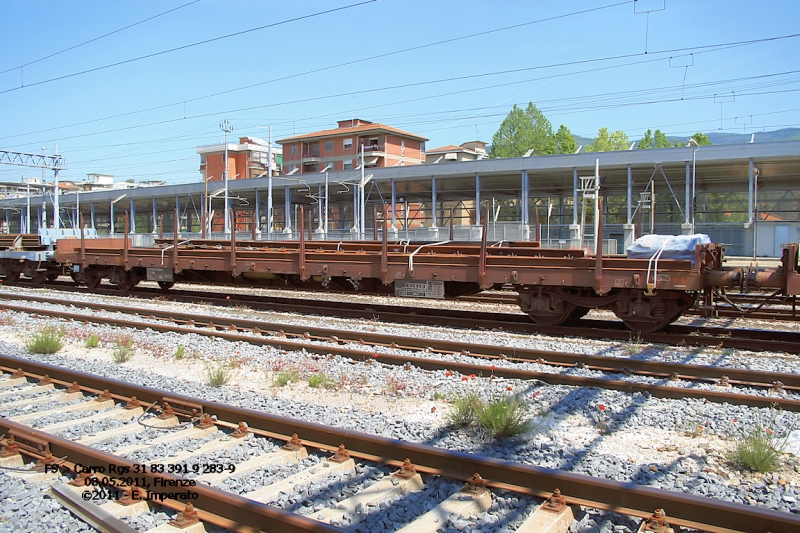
660 140
647 141
565 142
701 139
609 142
523 130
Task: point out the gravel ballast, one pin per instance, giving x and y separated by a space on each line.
680 445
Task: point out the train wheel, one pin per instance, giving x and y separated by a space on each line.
579 313
12 276
166 285
52 276
39 277
91 281
550 320
545 308
645 325
127 282
646 315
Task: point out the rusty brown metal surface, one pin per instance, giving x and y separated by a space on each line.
662 391
627 498
243 512
603 363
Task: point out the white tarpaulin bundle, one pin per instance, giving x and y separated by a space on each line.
671 246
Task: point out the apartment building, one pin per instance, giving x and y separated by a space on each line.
248 159
340 148
468 151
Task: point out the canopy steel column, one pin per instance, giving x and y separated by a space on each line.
132 228
575 228
686 227
257 215
355 229
575 196
177 224
477 199
91 214
269 199
751 192
394 203
629 228
287 208
155 215
524 198
434 201
111 218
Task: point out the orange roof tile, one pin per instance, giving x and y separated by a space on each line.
364 128
449 148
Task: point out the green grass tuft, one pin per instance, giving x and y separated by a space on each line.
48 340
93 341
180 351
219 373
502 417
321 379
756 451
505 417
463 410
123 348
284 377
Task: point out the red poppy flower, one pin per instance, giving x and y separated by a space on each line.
509 388
448 374
473 376
492 368
464 378
601 407
375 356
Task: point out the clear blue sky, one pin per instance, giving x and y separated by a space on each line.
453 86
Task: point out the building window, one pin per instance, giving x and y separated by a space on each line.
348 143
314 168
347 165
329 146
293 150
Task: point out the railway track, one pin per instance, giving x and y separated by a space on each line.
749 306
689 335
243 513
664 380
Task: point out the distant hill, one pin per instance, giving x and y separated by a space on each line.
785 134
724 137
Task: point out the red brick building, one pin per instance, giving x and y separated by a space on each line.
340 148
248 159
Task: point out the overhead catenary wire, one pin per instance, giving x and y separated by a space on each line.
187 46
649 59
94 39
322 69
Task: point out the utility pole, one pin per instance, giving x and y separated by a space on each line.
56 208
269 192
227 129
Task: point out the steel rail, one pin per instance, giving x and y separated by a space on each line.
241 511
602 363
660 391
707 514
755 340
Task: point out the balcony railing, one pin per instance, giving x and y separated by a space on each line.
374 148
